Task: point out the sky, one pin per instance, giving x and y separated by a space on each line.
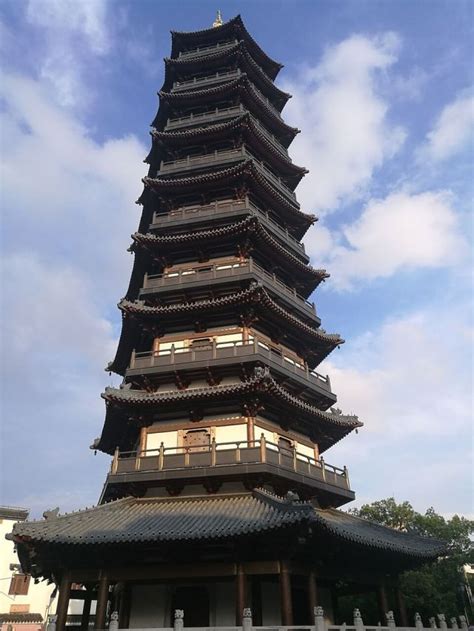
383 94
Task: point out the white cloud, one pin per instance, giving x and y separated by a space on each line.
56 179
68 211
409 381
346 134
403 231
452 131
73 34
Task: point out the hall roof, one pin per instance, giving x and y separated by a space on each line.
186 519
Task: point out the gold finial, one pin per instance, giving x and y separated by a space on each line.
218 21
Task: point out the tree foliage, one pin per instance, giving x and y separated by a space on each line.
437 587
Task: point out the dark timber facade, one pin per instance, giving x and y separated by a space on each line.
219 496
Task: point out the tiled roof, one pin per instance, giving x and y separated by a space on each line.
262 383
240 85
239 49
233 26
243 122
21 618
256 294
250 225
132 521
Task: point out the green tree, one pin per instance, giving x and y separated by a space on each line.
438 586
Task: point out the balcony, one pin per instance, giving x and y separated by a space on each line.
197 83
215 354
216 115
197 275
222 157
234 458
225 208
206 50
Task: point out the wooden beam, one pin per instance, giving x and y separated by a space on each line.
102 600
63 602
285 594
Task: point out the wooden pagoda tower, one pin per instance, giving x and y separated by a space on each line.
218 496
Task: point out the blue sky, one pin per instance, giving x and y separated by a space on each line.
383 94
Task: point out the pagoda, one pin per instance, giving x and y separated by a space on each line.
219 497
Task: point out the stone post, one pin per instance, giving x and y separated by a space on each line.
454 623
358 622
390 620
178 620
114 621
247 619
463 622
432 622
442 621
51 626
418 622
319 622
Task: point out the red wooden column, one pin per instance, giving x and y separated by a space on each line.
402 610
312 593
382 602
63 602
102 601
285 594
240 595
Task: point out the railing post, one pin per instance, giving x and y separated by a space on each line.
294 457
213 452
323 468
263 448
114 624
432 622
51 626
418 622
346 475
186 457
390 620
319 622
145 280
454 623
132 359
114 467
237 453
247 619
463 622
137 461
178 620
172 354
442 621
358 622
161 456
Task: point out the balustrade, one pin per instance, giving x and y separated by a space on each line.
224 206
260 451
224 270
257 346
205 50
198 82
223 156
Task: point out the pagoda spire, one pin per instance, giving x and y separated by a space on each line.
218 21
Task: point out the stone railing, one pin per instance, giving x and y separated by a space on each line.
199 274
205 50
197 83
221 455
320 624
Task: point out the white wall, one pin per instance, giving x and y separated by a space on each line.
230 433
149 607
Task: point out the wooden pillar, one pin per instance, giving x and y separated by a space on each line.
383 603
240 594
401 608
257 600
285 594
312 593
250 430
86 610
102 601
125 602
63 602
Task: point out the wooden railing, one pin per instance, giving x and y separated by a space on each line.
260 451
224 156
199 82
204 50
218 114
258 347
197 274
224 206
